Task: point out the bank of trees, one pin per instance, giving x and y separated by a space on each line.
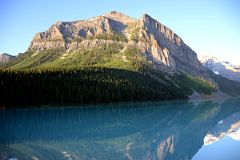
81 86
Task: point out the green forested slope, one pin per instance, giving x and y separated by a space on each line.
100 75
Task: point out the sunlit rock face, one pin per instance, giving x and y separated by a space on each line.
223 68
158 43
71 35
51 39
227 127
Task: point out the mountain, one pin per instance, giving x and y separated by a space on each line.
4 57
223 68
108 58
159 44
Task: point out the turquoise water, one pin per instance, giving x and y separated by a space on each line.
164 131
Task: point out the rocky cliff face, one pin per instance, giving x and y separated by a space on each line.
165 47
72 35
4 57
158 43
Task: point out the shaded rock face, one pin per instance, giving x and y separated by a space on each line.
6 57
157 42
168 48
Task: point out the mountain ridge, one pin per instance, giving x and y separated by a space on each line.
158 43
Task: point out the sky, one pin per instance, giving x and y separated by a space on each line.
209 27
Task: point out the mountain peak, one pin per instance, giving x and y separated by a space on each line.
145 15
205 58
4 57
114 13
147 18
118 16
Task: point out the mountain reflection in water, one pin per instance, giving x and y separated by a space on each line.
164 131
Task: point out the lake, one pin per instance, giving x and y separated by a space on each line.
201 130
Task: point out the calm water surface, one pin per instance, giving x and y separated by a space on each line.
161 131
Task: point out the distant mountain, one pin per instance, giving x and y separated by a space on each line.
108 58
223 68
4 57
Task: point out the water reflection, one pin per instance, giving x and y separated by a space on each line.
174 130
227 127
222 142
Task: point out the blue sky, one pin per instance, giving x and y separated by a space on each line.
207 26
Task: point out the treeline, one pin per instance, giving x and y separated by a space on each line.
82 86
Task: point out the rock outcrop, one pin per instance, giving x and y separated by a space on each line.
4 57
158 43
